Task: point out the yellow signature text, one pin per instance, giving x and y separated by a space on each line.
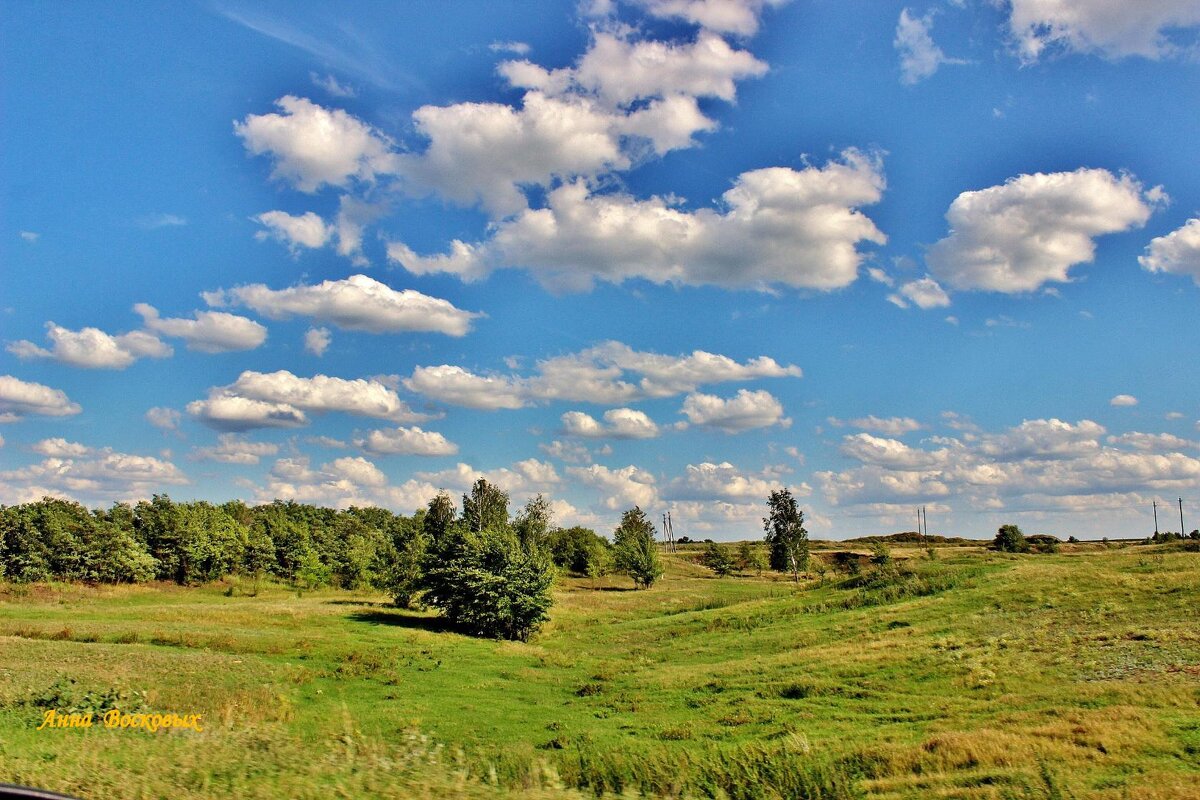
116 718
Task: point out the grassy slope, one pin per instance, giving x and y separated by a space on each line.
1011 676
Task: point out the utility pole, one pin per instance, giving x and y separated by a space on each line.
1181 534
1155 517
925 516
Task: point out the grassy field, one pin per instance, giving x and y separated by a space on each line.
977 675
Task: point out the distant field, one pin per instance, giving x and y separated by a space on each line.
979 675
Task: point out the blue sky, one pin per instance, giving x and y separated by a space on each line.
665 252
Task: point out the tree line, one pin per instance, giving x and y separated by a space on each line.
489 572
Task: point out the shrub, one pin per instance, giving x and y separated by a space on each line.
847 562
1009 539
1043 543
311 573
751 558
600 562
718 558
577 549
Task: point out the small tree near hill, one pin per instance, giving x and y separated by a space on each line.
581 551
718 558
634 550
786 535
751 558
1009 539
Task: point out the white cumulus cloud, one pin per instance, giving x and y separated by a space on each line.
746 410
357 303
97 475
920 57
723 481
207 331
20 399
281 400
317 340
1032 229
610 372
1178 252
775 226
621 488
406 441
294 231
740 17
60 448
890 426
1040 465
312 146
234 449
1110 29
460 387
166 419
619 423
92 348
924 293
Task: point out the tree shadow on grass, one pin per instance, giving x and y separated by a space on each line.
613 589
368 603
401 619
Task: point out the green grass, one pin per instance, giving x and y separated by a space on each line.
980 675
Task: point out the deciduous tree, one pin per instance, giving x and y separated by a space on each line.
634 549
785 533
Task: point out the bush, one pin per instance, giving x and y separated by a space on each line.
488 584
718 558
1043 543
576 549
1009 539
312 573
751 558
848 562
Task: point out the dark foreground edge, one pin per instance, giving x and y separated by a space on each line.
10 792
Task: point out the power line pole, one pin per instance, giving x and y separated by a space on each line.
925 516
1181 518
1155 517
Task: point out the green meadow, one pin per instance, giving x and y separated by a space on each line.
971 674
